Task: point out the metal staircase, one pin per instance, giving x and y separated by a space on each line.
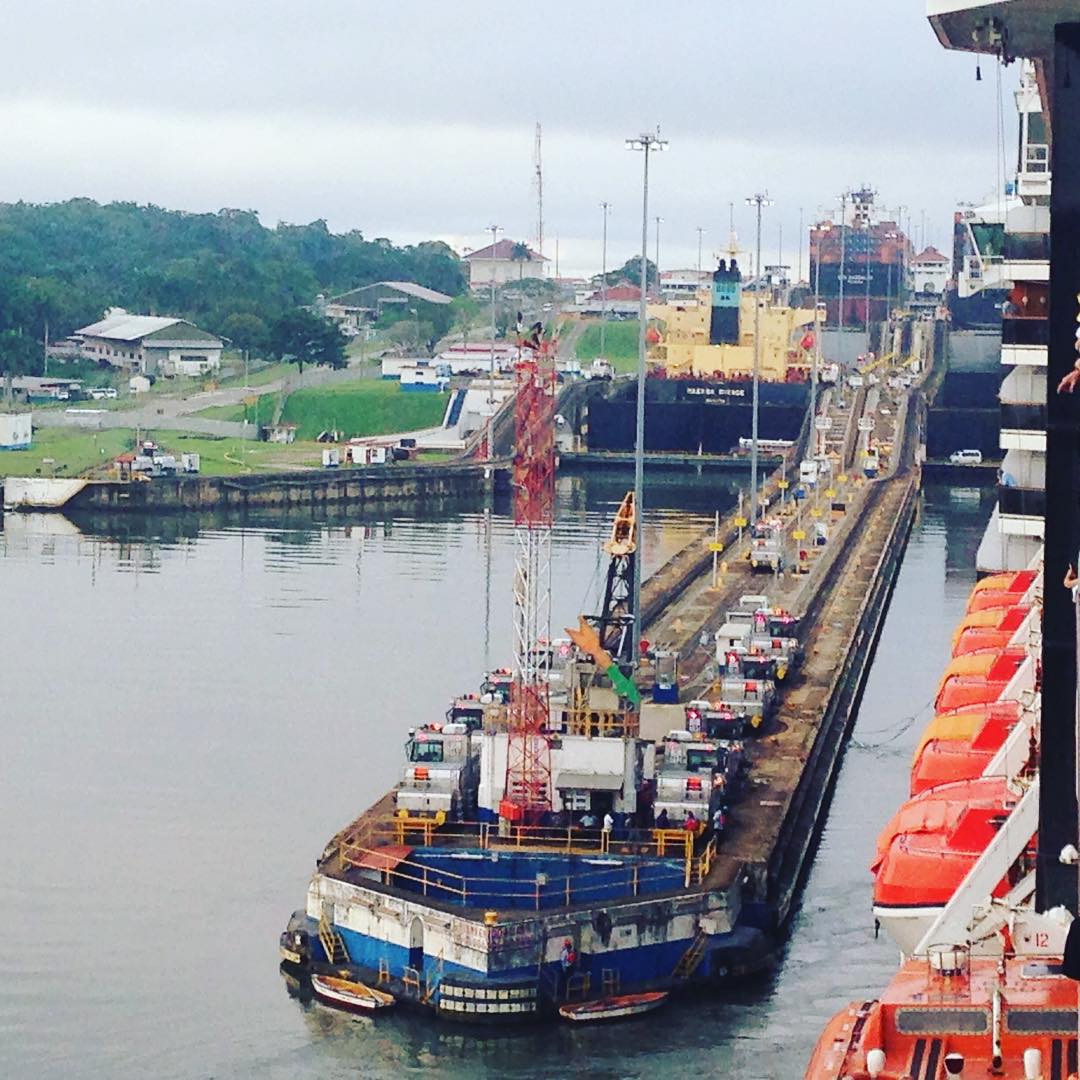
691 959
332 942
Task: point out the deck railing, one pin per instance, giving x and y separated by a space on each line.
370 846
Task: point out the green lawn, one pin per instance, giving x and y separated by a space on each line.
263 409
72 450
259 374
228 457
620 344
363 407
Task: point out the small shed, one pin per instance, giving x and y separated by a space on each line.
280 433
16 431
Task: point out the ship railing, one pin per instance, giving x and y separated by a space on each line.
569 839
545 890
395 867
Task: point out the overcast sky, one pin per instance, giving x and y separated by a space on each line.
414 119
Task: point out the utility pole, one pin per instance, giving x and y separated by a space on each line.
491 375
606 207
646 143
758 200
700 234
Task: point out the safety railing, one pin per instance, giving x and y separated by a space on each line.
629 868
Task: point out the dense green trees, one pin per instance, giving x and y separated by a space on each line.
63 264
301 337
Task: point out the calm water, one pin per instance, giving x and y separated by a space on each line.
191 709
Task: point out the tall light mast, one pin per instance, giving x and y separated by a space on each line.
527 794
538 167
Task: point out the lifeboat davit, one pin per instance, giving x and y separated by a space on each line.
920 871
960 691
992 618
946 753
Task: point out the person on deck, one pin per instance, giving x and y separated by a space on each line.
662 819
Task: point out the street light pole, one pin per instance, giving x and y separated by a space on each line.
646 143
606 207
700 233
491 376
758 200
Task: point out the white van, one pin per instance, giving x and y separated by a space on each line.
965 457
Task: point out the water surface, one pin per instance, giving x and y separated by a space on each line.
192 707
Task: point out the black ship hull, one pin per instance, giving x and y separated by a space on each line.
697 416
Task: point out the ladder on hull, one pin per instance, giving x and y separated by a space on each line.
691 959
332 942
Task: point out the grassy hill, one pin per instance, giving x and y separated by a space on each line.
363 407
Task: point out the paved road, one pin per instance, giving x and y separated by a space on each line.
176 412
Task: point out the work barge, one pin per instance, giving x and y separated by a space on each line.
474 916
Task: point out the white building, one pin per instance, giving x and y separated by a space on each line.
505 261
150 344
929 272
683 286
351 310
15 431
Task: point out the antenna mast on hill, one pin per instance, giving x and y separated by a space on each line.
538 168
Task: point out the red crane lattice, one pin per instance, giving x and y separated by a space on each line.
527 794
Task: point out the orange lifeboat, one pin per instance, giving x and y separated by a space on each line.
992 618
960 690
941 1013
995 633
939 810
920 871
943 756
1016 581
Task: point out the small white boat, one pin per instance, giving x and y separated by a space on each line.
617 1007
346 994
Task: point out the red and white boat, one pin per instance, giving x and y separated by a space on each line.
350 995
616 1007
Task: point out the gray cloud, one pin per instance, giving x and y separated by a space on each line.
415 118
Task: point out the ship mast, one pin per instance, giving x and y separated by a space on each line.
527 793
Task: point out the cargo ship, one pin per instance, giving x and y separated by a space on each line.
699 393
859 263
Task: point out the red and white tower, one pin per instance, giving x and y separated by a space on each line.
527 794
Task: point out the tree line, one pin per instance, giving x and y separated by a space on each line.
63 264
